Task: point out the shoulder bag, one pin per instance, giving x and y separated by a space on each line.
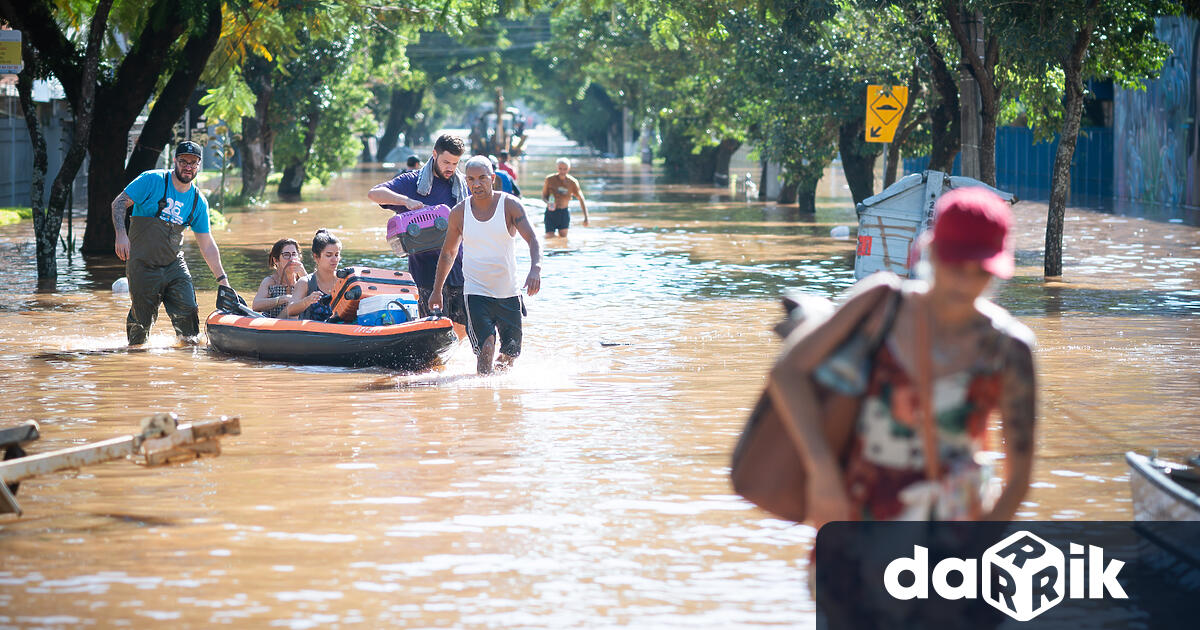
767 468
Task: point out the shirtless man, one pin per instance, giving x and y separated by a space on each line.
557 190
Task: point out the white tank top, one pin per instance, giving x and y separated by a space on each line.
489 254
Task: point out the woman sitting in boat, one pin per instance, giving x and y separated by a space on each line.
311 297
275 291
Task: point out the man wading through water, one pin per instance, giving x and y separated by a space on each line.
487 223
438 182
557 191
164 202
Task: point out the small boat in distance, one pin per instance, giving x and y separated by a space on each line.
1164 491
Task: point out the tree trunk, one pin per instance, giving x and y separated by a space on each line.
1060 182
806 198
46 242
47 229
983 70
944 117
175 96
83 113
858 160
404 105
988 112
258 137
724 154
293 175
106 180
683 165
787 193
122 100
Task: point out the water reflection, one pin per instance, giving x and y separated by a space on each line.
587 487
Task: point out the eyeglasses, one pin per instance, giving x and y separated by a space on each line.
187 163
287 254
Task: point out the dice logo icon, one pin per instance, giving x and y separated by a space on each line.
1023 576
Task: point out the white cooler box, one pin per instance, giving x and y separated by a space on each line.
385 310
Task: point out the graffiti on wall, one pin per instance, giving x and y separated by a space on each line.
1156 152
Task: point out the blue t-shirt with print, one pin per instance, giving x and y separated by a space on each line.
423 266
147 190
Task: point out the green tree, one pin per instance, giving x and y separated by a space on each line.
168 45
47 222
668 68
326 113
1061 46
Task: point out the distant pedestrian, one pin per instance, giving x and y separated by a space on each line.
557 191
505 165
164 203
487 223
504 182
413 163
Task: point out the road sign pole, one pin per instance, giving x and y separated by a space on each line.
885 152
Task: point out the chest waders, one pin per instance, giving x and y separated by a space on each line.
158 274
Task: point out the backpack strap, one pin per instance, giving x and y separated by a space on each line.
162 203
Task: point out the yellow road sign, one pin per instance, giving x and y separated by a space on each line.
885 106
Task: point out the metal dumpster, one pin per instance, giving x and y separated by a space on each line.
889 223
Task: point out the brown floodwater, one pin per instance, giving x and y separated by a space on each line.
587 487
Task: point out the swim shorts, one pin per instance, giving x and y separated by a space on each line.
488 316
558 219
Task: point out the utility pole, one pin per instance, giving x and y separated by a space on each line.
970 100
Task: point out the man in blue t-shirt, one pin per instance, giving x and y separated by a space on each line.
438 182
164 203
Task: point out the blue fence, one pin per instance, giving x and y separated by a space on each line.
1024 167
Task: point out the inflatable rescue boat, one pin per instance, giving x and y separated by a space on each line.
411 346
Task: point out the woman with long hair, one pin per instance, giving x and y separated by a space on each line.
311 298
275 291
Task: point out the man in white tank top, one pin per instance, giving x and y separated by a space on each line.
486 223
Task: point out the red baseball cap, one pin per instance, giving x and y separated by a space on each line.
971 224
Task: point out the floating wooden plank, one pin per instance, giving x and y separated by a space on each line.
27 432
160 442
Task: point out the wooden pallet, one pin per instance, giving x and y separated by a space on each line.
162 441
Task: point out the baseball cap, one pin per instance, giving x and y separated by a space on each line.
972 224
187 147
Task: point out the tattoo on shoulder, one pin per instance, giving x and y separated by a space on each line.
520 218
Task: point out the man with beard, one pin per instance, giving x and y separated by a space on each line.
164 203
486 225
438 182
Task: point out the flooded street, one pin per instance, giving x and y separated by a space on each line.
586 488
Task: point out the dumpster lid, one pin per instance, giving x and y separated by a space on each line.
914 180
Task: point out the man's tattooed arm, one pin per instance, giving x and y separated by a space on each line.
119 206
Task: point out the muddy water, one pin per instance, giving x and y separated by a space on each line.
586 488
